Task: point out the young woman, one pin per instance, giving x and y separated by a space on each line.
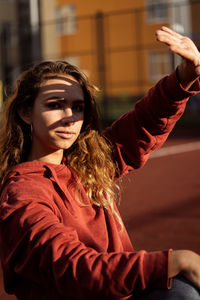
61 236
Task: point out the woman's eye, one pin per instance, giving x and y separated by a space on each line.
78 107
53 105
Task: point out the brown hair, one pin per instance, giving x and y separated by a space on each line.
90 156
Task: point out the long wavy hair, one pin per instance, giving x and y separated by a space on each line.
90 156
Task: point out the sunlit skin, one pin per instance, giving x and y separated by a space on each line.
56 120
189 69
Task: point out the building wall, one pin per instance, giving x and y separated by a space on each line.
49 41
112 48
7 11
88 7
126 37
113 41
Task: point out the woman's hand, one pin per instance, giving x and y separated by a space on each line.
187 263
189 68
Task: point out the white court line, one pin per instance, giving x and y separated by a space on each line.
176 149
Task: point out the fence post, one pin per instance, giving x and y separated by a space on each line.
101 69
101 63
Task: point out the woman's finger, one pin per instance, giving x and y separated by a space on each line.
172 32
167 38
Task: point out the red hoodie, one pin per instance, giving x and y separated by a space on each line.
52 247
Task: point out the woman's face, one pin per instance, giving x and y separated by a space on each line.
57 118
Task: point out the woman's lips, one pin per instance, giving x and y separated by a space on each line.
66 134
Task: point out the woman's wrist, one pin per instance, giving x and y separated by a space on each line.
183 261
178 262
187 74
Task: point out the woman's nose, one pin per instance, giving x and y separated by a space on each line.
67 112
67 116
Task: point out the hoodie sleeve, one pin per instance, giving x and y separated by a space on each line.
145 128
35 245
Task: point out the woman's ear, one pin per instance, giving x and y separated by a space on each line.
25 115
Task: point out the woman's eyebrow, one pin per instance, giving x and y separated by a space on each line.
52 97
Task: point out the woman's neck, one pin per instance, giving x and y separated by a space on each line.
53 157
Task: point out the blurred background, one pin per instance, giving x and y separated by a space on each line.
113 42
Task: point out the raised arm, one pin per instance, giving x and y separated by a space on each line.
146 128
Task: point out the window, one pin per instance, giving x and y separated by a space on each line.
160 64
157 11
66 22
